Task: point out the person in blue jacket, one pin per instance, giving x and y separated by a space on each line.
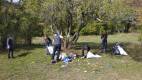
57 47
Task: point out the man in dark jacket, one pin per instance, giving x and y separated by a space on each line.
57 47
10 47
104 36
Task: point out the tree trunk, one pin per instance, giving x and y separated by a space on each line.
127 27
3 42
28 40
68 42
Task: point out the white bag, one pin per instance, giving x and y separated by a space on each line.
122 51
50 49
91 55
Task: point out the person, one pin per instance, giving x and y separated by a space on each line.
104 37
115 49
85 48
10 47
48 42
57 47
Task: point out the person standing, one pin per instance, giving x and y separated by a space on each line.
57 47
48 42
10 47
104 37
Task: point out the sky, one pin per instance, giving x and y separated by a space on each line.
15 1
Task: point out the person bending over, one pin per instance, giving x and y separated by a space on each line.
85 49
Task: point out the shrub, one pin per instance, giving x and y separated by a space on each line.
92 28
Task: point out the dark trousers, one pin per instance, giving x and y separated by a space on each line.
56 51
10 53
104 44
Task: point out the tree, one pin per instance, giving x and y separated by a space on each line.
28 20
69 17
118 13
20 20
8 21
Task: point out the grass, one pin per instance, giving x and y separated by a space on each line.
125 38
34 64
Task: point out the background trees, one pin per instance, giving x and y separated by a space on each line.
19 20
69 17
29 18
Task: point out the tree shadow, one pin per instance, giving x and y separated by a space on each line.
23 54
29 47
18 47
93 46
133 50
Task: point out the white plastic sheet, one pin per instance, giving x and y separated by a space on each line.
122 51
91 55
50 49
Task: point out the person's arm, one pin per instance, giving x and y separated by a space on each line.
7 44
53 41
7 41
61 36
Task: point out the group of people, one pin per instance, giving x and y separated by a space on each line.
57 43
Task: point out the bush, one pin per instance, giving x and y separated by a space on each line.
92 28
96 28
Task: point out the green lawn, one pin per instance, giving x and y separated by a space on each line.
125 38
33 64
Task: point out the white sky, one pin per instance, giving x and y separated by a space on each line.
14 1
